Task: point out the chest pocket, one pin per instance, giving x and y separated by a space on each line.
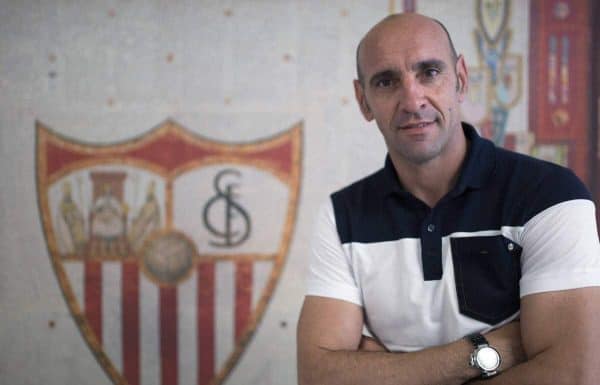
487 272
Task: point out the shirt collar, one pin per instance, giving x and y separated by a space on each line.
480 162
478 166
391 184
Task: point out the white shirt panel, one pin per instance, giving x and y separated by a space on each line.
404 311
555 259
330 272
408 313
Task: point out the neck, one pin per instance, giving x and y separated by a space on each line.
431 180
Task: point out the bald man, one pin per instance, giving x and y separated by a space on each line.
457 261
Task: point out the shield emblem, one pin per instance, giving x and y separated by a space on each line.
475 107
168 246
509 82
492 16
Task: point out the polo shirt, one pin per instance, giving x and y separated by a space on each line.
512 226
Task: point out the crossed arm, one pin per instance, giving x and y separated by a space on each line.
556 342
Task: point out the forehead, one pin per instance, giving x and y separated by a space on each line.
400 43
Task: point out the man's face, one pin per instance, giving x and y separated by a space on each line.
412 87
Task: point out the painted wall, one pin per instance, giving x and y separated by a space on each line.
101 73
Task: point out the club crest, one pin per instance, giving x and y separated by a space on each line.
168 246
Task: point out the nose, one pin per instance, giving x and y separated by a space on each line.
411 98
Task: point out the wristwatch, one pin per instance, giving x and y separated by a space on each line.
484 357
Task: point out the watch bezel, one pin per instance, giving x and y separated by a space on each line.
480 343
478 361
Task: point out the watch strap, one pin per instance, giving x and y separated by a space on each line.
477 339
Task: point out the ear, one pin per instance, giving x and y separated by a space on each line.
462 77
359 93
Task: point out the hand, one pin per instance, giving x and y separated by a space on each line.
507 340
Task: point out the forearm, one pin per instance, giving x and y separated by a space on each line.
330 355
443 365
561 338
552 367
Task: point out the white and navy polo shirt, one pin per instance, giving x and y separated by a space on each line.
512 226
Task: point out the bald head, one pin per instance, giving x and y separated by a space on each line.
400 20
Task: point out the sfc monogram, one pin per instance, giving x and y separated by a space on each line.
168 246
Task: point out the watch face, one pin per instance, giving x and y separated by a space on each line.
488 359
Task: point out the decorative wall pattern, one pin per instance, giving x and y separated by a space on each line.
559 81
496 83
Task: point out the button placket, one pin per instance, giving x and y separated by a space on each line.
431 248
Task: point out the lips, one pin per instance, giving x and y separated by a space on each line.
415 125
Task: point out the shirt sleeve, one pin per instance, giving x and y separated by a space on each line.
330 272
561 249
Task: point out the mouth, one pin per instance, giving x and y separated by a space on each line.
417 125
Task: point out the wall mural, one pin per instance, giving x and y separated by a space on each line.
558 77
168 237
496 82
560 83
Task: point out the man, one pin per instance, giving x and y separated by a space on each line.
453 237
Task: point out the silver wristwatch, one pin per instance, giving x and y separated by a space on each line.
484 357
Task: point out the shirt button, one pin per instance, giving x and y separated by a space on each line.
511 246
430 228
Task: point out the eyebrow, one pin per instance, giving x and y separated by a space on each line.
429 63
419 66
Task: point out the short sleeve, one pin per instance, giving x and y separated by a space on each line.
560 248
330 272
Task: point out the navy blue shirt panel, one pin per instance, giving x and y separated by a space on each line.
495 188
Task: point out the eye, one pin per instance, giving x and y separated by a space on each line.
431 73
385 83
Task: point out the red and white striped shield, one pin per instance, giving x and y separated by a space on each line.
168 246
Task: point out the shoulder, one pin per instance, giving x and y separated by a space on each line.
364 188
533 184
358 207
